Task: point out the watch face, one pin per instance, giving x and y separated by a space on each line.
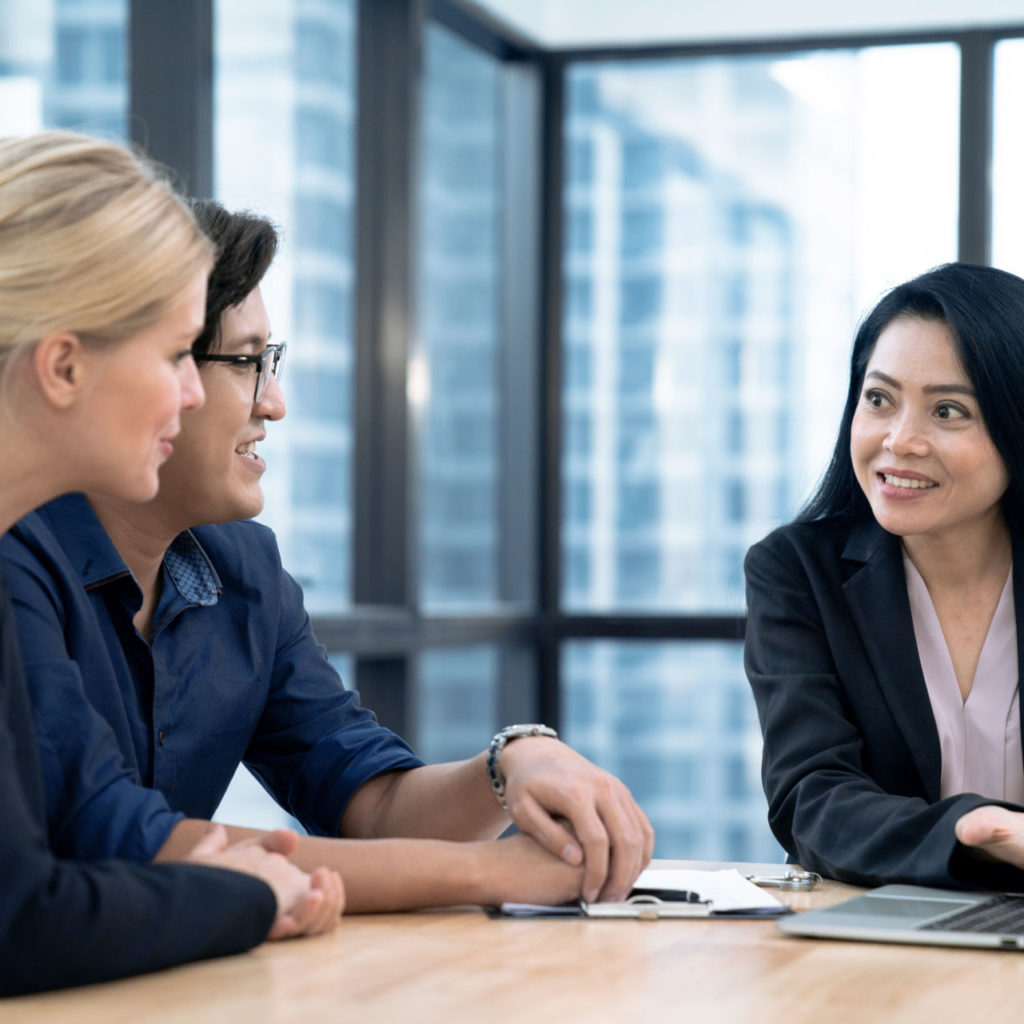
531 729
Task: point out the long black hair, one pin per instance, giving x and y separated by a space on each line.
246 244
983 309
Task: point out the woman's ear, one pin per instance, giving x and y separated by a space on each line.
58 361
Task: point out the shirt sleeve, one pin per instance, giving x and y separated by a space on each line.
824 806
96 806
316 744
64 923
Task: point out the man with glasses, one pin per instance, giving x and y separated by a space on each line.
161 653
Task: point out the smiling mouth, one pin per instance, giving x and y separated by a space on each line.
247 451
902 481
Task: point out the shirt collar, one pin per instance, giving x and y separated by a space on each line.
191 570
84 540
97 561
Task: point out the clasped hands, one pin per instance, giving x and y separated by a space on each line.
577 812
307 904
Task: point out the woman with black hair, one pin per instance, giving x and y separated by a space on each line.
883 638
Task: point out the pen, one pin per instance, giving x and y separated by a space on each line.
670 895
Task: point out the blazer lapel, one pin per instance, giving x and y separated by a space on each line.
876 594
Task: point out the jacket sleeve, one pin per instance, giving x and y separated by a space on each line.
95 804
825 808
71 923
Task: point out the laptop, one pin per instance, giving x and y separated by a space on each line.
915 914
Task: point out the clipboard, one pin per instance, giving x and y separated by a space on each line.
670 894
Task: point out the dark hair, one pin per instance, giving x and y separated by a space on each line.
983 309
245 245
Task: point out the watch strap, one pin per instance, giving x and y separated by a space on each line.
498 743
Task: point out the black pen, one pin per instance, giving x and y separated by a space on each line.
670 895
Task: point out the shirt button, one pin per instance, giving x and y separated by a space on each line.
162 737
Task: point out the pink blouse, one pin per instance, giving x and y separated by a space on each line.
979 737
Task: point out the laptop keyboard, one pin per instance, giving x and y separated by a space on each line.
1001 915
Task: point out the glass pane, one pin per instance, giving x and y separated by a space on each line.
459 292
1008 158
727 223
676 722
62 65
456 703
285 119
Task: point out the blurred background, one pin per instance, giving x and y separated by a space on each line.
569 288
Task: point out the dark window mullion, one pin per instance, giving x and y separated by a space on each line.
549 383
976 118
171 87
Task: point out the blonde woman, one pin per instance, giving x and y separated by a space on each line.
102 291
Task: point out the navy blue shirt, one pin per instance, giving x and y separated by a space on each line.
134 735
65 923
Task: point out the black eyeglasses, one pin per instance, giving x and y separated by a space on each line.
268 364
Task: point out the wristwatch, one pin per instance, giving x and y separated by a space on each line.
503 736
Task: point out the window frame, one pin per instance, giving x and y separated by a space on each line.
171 115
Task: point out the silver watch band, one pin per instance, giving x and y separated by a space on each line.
501 738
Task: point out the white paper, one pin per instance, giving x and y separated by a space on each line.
727 889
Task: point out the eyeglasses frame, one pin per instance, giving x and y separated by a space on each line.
258 359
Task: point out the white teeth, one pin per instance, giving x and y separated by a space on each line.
914 485
248 450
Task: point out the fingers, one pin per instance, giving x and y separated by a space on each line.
531 818
991 827
214 840
330 884
613 837
282 841
296 920
628 845
317 910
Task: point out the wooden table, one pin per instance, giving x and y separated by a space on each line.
459 965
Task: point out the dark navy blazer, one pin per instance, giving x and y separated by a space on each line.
852 762
69 923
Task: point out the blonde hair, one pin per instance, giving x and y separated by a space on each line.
93 240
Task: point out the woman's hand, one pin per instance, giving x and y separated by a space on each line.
306 904
997 831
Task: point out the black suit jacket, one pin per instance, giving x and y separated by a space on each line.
852 762
73 923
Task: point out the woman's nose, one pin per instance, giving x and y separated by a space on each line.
905 436
192 393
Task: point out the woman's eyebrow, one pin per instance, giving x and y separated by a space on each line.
929 389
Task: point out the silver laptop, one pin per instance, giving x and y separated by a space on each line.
911 913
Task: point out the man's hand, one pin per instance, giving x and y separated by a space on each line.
519 870
545 781
307 904
997 831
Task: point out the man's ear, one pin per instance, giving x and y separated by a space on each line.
59 365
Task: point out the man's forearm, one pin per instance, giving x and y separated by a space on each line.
407 874
439 801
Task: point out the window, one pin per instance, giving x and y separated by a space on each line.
460 268
1008 158
64 67
666 718
457 700
756 222
285 72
